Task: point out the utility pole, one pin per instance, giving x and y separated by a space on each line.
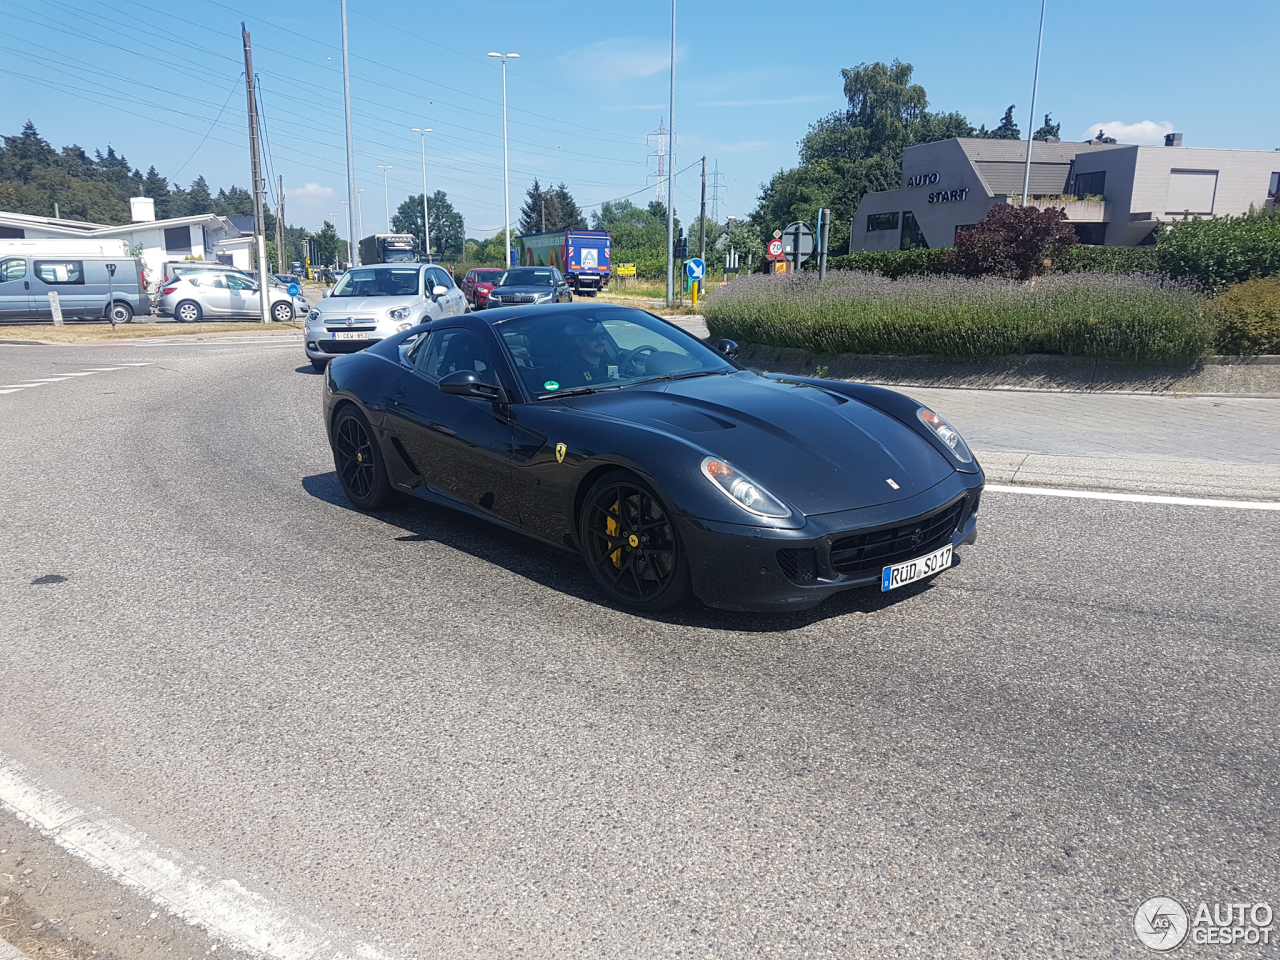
280 229
506 170
386 196
544 216
671 166
1031 122
259 228
702 216
352 248
426 217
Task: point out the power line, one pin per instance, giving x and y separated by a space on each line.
234 88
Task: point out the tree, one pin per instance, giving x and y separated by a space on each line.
854 151
1014 241
531 214
639 234
1103 138
1007 130
446 224
563 212
157 188
1050 129
329 249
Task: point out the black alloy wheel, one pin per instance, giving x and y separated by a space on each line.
631 544
358 460
282 312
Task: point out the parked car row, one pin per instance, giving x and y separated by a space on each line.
85 285
516 286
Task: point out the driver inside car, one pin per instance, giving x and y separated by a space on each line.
588 365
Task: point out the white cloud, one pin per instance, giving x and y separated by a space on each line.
617 61
1144 131
310 205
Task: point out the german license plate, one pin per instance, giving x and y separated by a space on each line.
909 571
352 335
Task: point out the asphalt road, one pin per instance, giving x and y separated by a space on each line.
420 732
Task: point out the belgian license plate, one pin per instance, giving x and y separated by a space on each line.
909 571
352 335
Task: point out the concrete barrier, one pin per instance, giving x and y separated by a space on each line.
1214 376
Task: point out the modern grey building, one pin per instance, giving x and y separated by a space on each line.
1113 193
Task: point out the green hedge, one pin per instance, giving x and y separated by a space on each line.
1136 318
1248 317
1220 251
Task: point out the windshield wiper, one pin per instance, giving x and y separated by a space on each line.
575 392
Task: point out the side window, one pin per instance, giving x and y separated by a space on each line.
442 278
213 280
238 283
12 270
450 350
57 272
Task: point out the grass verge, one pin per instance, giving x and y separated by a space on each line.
83 332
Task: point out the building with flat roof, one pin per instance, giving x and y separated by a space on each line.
204 236
1113 193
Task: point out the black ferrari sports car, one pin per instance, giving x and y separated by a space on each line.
671 469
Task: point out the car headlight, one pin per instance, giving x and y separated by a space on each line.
313 316
948 434
750 496
542 297
399 313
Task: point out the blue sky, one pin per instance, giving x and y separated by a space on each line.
161 83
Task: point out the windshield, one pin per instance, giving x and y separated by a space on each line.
375 282
399 256
528 277
488 276
555 351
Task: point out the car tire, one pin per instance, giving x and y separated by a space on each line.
632 545
188 311
319 366
120 312
358 460
282 312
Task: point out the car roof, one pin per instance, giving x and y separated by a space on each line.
493 315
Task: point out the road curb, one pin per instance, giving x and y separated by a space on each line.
1214 376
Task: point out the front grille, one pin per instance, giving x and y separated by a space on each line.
514 298
799 564
882 548
344 346
342 327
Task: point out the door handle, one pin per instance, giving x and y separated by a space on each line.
26 284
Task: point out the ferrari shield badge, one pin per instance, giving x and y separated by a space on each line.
560 448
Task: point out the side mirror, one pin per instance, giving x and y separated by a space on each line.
728 347
324 293
467 383
439 290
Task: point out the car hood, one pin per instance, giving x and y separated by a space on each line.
819 451
363 306
540 288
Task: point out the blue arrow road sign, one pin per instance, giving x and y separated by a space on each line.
695 268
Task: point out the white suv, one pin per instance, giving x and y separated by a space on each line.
370 303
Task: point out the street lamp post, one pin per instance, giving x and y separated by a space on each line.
359 212
386 196
506 173
347 216
671 166
1031 123
426 221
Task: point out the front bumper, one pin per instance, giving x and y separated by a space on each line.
741 567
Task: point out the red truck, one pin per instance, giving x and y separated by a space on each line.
477 284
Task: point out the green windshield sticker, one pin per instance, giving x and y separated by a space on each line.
551 385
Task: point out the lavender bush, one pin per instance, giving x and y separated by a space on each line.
1146 318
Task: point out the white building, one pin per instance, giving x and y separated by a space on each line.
1113 193
204 236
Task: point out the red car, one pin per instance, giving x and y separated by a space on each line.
477 284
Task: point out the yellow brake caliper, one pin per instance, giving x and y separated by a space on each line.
613 528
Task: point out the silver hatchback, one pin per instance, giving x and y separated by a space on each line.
215 294
371 303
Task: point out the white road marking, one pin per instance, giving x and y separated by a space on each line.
12 390
88 372
1137 498
229 912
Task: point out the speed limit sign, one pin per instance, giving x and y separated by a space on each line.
775 251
